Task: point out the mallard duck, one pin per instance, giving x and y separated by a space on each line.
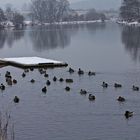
121 99
14 81
91 73
71 70
117 85
46 75
54 79
32 81
67 88
2 87
104 85
69 80
80 72
83 92
135 88
48 83
61 79
16 99
44 89
128 114
91 97
23 74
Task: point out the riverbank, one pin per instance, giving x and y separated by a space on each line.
134 23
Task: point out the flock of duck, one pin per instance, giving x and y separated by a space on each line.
10 81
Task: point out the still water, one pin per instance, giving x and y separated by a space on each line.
111 50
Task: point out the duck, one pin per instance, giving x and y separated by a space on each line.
23 74
14 81
71 70
16 99
32 81
128 114
117 85
91 73
7 74
44 89
26 70
80 72
91 97
54 79
121 99
31 69
83 92
135 88
104 85
48 83
46 75
67 88
61 79
2 87
69 80
9 82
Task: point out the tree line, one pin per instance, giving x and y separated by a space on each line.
12 16
47 11
130 10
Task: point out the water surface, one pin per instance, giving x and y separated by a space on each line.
109 49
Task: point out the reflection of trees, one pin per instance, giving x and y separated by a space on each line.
10 36
51 37
92 27
131 40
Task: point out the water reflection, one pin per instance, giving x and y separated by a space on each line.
131 40
10 36
52 37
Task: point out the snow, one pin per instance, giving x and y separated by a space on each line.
31 60
134 23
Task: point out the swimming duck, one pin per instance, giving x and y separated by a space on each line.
7 74
104 85
67 88
91 97
61 79
80 72
83 92
91 73
16 99
23 74
54 79
44 89
32 81
2 87
117 85
14 81
46 75
69 80
26 70
31 69
121 99
48 83
128 114
9 82
71 70
135 88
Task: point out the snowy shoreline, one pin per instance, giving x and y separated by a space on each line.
134 23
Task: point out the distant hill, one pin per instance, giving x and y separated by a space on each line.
97 4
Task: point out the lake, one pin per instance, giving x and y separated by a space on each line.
111 50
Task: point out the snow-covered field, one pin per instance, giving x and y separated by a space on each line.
135 23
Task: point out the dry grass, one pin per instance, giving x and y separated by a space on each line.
6 129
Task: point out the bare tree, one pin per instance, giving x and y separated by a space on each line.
49 10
